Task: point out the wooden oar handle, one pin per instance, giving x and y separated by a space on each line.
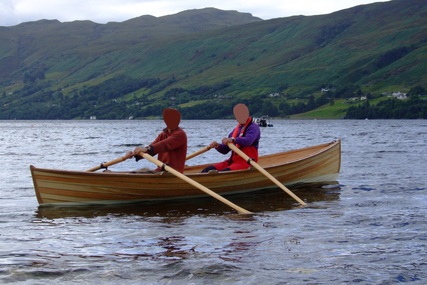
106 164
196 153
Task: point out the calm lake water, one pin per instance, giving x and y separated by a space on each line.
369 228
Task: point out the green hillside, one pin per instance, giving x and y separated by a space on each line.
204 61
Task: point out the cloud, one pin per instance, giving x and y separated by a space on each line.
7 12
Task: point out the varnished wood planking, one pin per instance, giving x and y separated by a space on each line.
310 164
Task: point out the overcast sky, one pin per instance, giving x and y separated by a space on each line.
13 12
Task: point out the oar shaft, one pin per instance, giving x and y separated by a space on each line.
194 183
263 171
106 164
196 153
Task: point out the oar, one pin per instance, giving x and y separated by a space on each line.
192 182
196 153
263 171
106 164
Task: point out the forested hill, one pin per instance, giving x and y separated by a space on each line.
204 61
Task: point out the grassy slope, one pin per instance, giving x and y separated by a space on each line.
291 51
336 111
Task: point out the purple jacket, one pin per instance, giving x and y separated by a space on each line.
251 137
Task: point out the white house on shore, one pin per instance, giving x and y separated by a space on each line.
399 95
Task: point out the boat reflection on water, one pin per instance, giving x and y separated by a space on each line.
266 200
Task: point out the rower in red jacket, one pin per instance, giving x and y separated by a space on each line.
170 145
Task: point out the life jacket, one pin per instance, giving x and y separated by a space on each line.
236 133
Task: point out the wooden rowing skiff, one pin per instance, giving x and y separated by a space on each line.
314 164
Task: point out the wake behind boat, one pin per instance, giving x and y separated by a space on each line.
314 164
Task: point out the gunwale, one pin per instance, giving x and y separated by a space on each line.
312 164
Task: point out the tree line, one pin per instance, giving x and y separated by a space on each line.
116 99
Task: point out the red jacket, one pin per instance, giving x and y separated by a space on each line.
171 148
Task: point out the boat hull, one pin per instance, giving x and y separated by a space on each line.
313 164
